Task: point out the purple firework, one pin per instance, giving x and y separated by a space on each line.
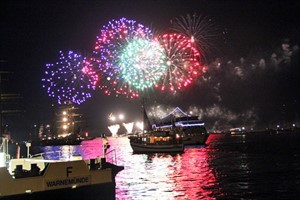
67 79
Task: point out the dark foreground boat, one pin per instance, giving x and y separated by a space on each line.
156 142
36 178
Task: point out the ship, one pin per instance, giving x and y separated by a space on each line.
189 127
150 140
156 142
67 128
82 177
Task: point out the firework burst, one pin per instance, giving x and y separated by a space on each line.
112 39
182 62
66 80
200 29
142 63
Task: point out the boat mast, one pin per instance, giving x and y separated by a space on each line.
146 122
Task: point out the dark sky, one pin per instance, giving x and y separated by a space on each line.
32 33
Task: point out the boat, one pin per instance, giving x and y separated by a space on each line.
81 177
191 128
156 142
237 131
65 129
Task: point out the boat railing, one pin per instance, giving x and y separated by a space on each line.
51 153
112 156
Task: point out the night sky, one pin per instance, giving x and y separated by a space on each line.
253 64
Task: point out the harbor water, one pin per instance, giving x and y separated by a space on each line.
245 166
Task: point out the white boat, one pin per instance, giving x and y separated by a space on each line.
76 178
156 142
191 129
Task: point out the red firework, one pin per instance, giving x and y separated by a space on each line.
183 62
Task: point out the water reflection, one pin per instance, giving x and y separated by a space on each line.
251 166
164 176
196 179
65 152
230 165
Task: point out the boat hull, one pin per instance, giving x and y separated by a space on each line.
80 179
195 139
99 191
155 148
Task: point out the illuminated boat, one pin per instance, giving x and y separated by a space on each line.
156 142
191 128
237 131
66 128
77 178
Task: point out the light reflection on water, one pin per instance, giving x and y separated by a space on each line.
154 176
65 152
252 166
163 176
